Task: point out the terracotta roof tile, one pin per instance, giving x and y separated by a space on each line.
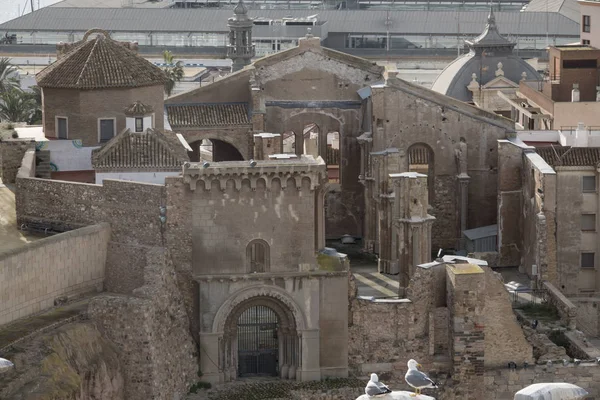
138 109
198 115
152 150
100 63
568 156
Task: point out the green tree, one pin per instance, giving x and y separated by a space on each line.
8 79
36 96
173 71
16 106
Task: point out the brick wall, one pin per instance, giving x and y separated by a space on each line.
34 275
11 156
83 108
502 383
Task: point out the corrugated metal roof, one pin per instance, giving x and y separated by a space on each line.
472 23
568 8
481 232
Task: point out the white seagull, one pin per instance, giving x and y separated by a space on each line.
418 379
376 388
5 365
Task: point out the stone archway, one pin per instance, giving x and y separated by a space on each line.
219 150
231 147
260 337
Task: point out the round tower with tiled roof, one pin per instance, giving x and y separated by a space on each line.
87 90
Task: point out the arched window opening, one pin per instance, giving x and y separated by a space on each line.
333 157
310 134
420 159
257 255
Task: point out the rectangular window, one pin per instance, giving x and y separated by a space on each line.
107 130
585 42
139 124
574 64
588 184
588 222
587 260
61 128
586 23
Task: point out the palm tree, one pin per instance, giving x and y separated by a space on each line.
8 80
36 96
16 106
173 71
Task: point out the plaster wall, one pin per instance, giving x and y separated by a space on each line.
147 122
157 177
591 8
83 108
33 276
68 155
570 238
570 114
588 314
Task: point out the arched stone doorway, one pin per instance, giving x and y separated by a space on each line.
260 338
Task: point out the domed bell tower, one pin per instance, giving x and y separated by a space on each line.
240 48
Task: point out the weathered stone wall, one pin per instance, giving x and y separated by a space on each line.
502 383
588 315
150 329
11 156
566 309
439 123
510 203
34 275
504 338
132 210
72 362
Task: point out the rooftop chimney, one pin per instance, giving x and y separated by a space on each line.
581 136
575 93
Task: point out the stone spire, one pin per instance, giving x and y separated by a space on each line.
240 48
490 39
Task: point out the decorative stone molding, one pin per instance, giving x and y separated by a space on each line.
298 170
257 291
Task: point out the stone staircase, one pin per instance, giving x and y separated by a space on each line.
42 164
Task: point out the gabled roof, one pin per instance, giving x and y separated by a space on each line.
567 156
151 150
207 114
500 82
138 109
100 63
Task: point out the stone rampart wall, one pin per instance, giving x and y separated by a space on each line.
132 210
502 383
566 309
33 276
11 156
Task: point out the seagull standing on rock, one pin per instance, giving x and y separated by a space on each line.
375 388
418 379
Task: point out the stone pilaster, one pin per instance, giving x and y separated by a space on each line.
463 206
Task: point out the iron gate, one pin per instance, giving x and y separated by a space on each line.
258 350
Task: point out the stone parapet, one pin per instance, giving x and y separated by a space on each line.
297 169
566 309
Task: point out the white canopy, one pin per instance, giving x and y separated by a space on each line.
551 391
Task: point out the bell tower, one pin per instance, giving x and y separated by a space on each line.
240 48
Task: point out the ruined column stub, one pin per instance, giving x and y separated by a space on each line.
309 41
411 224
303 171
266 144
466 304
